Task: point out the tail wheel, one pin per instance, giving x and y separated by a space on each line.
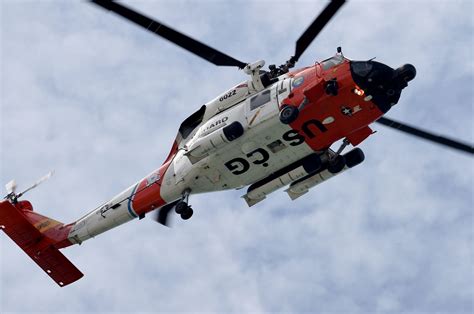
288 114
336 165
188 213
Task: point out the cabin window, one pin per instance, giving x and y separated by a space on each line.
260 100
332 62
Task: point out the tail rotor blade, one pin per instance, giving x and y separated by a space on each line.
11 187
438 139
41 180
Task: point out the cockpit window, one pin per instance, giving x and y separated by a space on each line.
260 99
332 62
361 68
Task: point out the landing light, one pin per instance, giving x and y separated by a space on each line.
358 91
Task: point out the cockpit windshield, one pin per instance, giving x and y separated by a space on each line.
332 62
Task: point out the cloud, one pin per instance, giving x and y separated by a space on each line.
99 100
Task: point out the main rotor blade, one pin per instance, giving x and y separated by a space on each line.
202 50
439 139
162 214
318 24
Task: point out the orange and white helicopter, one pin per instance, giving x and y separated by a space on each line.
271 131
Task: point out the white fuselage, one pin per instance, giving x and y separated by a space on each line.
260 151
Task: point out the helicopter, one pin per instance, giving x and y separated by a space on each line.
271 131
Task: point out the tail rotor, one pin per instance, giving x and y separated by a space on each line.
12 186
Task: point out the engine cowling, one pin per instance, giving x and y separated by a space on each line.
211 142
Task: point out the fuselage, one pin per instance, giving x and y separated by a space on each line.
204 160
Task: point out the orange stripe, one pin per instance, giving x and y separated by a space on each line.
46 224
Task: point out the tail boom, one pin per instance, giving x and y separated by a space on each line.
134 202
41 237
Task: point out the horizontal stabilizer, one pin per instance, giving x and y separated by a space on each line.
39 247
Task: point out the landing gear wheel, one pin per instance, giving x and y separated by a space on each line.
188 213
288 114
181 207
354 157
336 165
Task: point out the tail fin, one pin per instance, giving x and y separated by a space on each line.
40 238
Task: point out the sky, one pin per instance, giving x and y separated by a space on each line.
99 100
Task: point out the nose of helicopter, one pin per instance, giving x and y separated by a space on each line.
382 82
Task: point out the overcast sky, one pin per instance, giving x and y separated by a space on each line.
99 100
